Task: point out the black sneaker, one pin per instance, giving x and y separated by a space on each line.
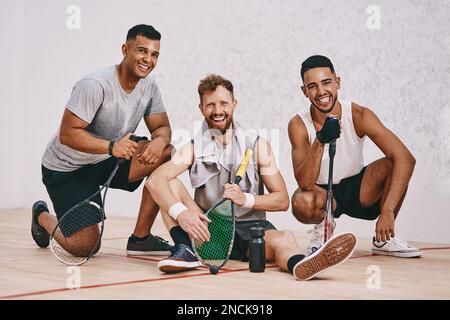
182 258
154 245
40 235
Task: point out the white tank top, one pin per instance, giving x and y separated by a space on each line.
349 157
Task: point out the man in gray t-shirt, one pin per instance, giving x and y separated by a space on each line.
103 111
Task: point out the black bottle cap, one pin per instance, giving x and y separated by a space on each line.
257 231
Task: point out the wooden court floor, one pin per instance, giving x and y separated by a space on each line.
28 272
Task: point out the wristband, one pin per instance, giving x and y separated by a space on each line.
110 148
176 209
249 200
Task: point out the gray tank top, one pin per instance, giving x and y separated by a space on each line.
208 178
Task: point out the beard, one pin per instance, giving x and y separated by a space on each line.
326 110
222 128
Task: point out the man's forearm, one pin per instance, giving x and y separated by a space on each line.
164 133
81 140
401 174
275 201
307 173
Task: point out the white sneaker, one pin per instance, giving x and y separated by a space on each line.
395 247
317 238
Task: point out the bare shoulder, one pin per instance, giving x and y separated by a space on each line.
296 123
297 129
363 119
357 111
360 112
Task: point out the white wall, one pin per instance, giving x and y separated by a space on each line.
401 71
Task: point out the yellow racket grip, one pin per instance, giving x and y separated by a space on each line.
244 164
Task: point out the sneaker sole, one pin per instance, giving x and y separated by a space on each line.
397 254
168 266
334 252
310 251
148 253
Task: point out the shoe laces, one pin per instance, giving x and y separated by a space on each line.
317 232
175 249
178 249
393 244
399 242
161 239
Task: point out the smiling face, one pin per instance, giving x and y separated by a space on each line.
140 56
320 86
217 107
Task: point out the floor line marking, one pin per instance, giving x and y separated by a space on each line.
20 295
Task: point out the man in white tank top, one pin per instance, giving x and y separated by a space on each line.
375 191
185 218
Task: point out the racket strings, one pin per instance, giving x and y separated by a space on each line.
221 230
77 236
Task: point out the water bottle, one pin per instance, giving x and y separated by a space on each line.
257 253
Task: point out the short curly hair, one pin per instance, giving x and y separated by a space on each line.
211 82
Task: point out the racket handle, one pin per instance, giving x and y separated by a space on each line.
243 166
135 139
332 148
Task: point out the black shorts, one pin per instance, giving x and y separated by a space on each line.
242 237
67 189
346 194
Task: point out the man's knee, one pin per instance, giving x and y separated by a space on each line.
82 243
387 165
167 153
288 238
282 239
303 205
382 168
85 249
141 146
139 172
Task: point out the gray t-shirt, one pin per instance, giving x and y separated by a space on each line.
99 100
